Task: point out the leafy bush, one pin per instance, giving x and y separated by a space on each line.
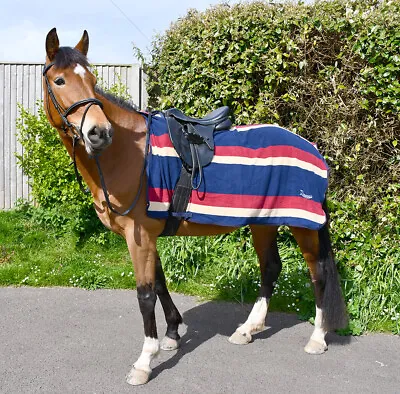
46 162
329 71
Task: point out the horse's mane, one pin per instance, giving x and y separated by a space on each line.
122 103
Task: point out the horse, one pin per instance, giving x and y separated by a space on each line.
108 140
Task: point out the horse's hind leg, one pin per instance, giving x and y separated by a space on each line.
309 245
330 309
172 316
264 240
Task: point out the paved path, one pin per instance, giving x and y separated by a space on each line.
66 340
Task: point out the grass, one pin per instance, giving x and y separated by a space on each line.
33 255
36 256
219 268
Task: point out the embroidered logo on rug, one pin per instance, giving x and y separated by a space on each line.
307 196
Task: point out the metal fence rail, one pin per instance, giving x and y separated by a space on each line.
21 83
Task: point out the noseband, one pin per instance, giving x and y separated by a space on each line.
77 135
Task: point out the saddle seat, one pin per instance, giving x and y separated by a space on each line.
218 118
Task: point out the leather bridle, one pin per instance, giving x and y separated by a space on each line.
77 135
67 125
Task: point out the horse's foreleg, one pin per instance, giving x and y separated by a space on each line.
172 316
264 239
144 257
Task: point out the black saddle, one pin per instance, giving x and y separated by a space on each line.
193 140
218 117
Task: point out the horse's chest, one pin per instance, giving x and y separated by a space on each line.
108 220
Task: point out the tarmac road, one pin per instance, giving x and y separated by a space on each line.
67 340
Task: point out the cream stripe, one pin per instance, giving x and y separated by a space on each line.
249 212
166 151
158 206
271 161
250 127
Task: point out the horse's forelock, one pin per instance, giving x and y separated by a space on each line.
67 56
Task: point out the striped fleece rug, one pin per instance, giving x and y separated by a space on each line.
260 174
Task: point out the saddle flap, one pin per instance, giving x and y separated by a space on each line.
193 143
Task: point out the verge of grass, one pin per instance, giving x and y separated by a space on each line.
34 255
219 268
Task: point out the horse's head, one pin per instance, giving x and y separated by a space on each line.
69 98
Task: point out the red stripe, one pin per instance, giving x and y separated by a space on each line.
240 151
241 201
159 195
270 151
161 141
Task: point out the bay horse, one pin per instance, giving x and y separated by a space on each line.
101 124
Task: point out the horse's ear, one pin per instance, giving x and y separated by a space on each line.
83 44
52 43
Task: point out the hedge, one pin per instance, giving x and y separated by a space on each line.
328 71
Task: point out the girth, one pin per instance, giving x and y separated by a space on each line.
193 140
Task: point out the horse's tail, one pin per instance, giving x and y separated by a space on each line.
333 306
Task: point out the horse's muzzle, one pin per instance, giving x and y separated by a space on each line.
99 138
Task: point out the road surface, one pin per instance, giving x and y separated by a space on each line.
67 340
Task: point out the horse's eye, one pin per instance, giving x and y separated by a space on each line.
59 81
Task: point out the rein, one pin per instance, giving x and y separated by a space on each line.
104 187
77 135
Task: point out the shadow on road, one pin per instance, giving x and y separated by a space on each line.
209 319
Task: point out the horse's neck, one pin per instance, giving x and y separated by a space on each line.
127 149
124 156
123 120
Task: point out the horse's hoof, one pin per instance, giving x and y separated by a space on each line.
137 377
239 338
314 347
169 344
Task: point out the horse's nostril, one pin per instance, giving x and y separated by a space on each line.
92 132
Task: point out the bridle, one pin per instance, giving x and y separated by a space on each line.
77 135
67 125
